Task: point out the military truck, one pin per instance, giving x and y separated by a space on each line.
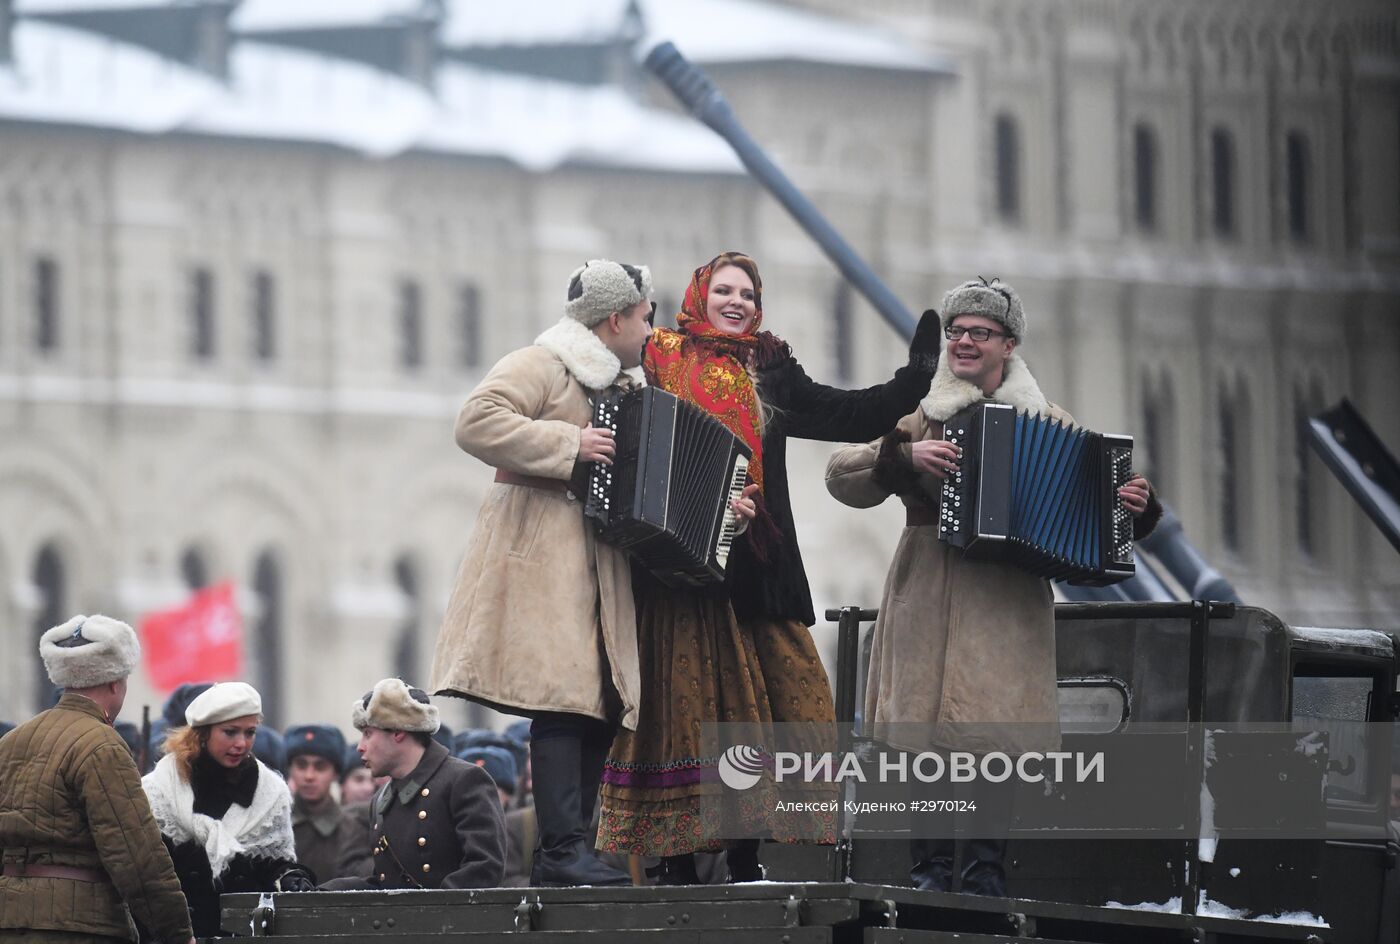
1121 666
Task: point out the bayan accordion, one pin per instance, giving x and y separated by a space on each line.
666 496
1039 494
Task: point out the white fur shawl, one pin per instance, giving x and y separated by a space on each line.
263 829
950 395
585 357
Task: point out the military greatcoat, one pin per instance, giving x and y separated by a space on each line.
439 827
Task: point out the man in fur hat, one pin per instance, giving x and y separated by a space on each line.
541 620
82 852
963 653
438 822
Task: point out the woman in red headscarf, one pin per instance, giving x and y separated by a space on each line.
744 654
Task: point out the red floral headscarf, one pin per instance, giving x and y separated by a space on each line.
704 366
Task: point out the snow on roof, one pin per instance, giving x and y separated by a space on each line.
533 23
714 31
705 30
37 7
541 124
67 76
254 16
289 94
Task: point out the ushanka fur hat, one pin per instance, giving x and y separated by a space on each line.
88 651
600 287
393 706
995 300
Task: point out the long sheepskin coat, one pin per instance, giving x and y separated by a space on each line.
963 655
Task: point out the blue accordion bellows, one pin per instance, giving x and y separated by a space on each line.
1039 494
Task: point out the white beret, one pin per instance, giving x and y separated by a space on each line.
88 651
223 701
393 706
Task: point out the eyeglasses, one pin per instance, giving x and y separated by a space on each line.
953 332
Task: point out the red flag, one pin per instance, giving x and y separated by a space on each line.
199 641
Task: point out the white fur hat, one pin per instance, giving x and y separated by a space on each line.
995 300
393 706
600 287
222 701
89 650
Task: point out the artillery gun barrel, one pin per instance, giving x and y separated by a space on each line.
706 103
1168 544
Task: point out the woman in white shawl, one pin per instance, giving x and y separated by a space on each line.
225 817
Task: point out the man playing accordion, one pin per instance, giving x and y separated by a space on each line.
963 655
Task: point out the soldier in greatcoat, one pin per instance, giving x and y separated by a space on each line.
438 822
315 753
82 853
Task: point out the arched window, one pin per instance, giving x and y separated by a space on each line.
50 578
193 570
1159 433
46 311
264 317
1007 142
1234 425
201 302
410 325
1222 176
469 326
843 335
265 657
406 647
1298 172
1145 178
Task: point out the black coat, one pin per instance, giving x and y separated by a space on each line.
440 827
805 409
214 793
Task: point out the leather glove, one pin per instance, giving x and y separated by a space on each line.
927 342
295 880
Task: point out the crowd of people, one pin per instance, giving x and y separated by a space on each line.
606 781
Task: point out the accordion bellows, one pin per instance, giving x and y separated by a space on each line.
1039 494
665 498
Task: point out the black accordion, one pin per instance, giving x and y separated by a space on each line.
1039 494
666 496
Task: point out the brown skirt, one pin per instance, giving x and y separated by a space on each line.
662 791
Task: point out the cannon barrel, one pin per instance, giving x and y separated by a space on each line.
706 103
1168 544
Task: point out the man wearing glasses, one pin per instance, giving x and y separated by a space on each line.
541 620
963 655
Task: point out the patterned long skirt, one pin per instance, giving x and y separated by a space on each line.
662 792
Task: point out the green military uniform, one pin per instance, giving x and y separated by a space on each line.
71 804
318 837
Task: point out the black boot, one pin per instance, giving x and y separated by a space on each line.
563 856
743 862
675 870
984 873
593 756
982 869
932 859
